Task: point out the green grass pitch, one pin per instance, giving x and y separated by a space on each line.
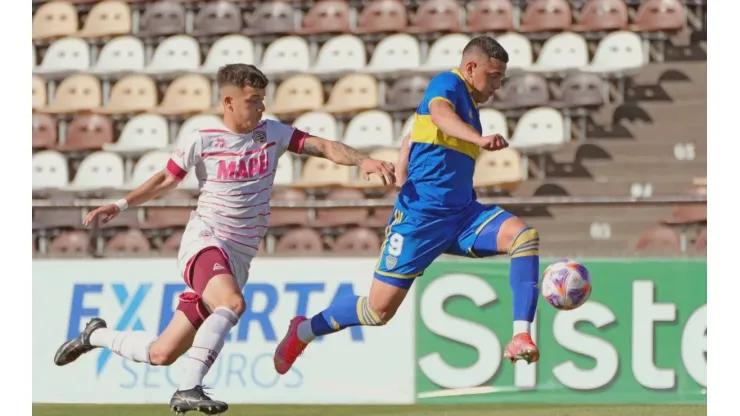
412 410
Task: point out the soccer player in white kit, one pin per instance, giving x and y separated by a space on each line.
235 168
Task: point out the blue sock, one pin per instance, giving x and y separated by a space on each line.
345 312
523 275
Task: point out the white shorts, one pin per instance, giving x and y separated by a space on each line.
199 236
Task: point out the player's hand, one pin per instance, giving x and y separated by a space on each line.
106 213
385 170
494 142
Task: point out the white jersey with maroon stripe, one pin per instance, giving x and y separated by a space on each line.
235 173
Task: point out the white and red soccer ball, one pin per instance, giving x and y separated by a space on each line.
566 284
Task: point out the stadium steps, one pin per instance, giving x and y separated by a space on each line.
612 187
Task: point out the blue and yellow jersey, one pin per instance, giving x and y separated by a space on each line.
440 170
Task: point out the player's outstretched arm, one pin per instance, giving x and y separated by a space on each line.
157 185
342 154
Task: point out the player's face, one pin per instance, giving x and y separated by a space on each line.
245 106
487 77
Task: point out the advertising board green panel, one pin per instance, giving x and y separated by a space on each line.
640 338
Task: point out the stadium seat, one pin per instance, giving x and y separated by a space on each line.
107 18
79 92
127 243
72 243
445 50
54 19
343 53
158 218
87 132
318 172
688 214
344 216
286 55
659 238
50 170
187 94
34 56
273 18
99 170
199 122
353 93
64 56
546 16
300 241
133 93
217 18
141 133
500 169
618 52
284 171
228 50
382 16
435 16
399 52
562 52
327 17
659 16
519 49
360 241
149 164
582 90
407 126
318 124
172 244
163 18
602 15
44 129
190 183
523 91
490 16
298 94
180 53
493 122
38 100
539 128
281 217
372 128
119 55
406 93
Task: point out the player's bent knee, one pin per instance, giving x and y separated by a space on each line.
373 316
234 303
525 243
162 355
194 309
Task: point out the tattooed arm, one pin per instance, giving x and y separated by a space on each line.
342 154
337 152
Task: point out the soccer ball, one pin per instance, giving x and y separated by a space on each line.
566 284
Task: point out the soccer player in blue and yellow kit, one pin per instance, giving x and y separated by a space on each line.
437 212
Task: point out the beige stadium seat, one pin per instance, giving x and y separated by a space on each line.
360 241
72 244
298 94
107 18
128 243
39 93
302 240
55 19
79 92
188 94
499 169
353 93
318 172
134 93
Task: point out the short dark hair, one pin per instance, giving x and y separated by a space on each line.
241 75
487 46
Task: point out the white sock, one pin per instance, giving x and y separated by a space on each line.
521 326
305 333
207 344
133 345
